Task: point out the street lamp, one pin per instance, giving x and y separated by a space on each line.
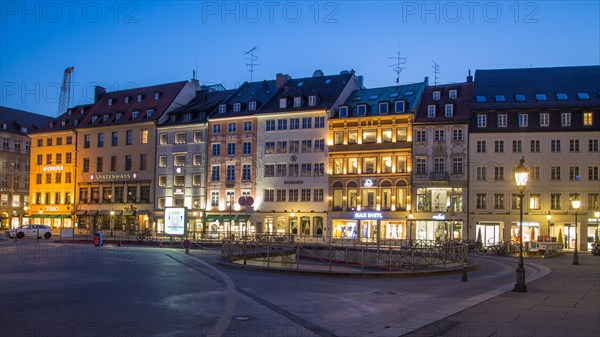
597 215
548 217
576 203
521 175
410 219
112 213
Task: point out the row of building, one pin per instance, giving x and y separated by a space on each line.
320 156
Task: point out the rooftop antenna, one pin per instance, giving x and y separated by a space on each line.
252 59
436 72
400 61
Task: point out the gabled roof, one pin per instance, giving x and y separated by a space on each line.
16 120
260 92
167 93
461 104
199 107
69 120
410 93
529 82
327 90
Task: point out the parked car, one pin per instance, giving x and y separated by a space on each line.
30 231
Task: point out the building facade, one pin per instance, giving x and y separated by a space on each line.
116 143
440 157
370 156
551 118
182 156
15 125
292 177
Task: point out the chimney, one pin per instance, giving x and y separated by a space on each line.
469 77
98 92
360 81
281 80
426 80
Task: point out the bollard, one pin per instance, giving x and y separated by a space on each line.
464 274
187 251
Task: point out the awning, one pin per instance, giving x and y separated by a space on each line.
128 212
63 216
118 212
80 212
36 216
92 212
242 218
227 218
143 211
212 218
104 212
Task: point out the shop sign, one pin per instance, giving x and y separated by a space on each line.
439 217
368 183
113 176
53 168
175 220
368 215
293 182
178 191
52 209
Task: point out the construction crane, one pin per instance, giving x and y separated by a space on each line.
65 92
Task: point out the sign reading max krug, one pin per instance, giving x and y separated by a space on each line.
175 220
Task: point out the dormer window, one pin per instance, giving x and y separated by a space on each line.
583 95
69 112
431 111
23 129
63 123
117 117
282 103
237 107
480 99
312 100
156 95
436 95
134 115
399 106
50 124
452 94
76 122
149 113
383 108
81 111
222 108
540 97
361 110
104 118
562 96
110 101
500 98
449 112
520 98
126 99
297 102
94 119
139 98
4 126
252 105
187 117
343 111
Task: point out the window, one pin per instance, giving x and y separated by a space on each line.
232 127
113 163
452 94
179 180
39 159
162 181
499 146
593 145
318 194
246 172
457 134
480 202
499 173
555 173
343 111
439 165
534 173
59 158
269 195
517 146
196 180
269 147
369 136
523 120
480 99
436 96
561 96
439 135
293 170
230 173
574 145
574 173
134 115
216 128
361 110
214 198
399 106
294 146
319 122
281 195
502 120
86 141
269 170
386 164
282 103
593 173
480 173
86 164
222 108
500 98
294 123
498 201
150 112
305 194
282 124
583 95
457 165
163 138
306 170
431 111
128 162
180 137
319 145
49 159
312 100
593 201
544 119
565 119
99 164
588 118
481 148
307 145
338 138
481 121
535 145
128 137
270 125
197 159
540 97
246 148
555 145
237 107
38 178
297 102
48 181
352 137
555 201
386 135
197 136
421 136
280 170
231 149
215 173
421 166
383 108
247 126
216 149
252 105
179 160
306 122
143 162
449 112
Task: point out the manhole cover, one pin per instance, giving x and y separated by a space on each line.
242 318
383 292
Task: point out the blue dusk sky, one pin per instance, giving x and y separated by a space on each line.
119 45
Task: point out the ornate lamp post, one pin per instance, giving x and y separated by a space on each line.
549 217
521 175
576 203
112 215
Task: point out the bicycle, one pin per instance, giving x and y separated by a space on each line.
145 235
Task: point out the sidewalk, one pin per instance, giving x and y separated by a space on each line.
564 303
